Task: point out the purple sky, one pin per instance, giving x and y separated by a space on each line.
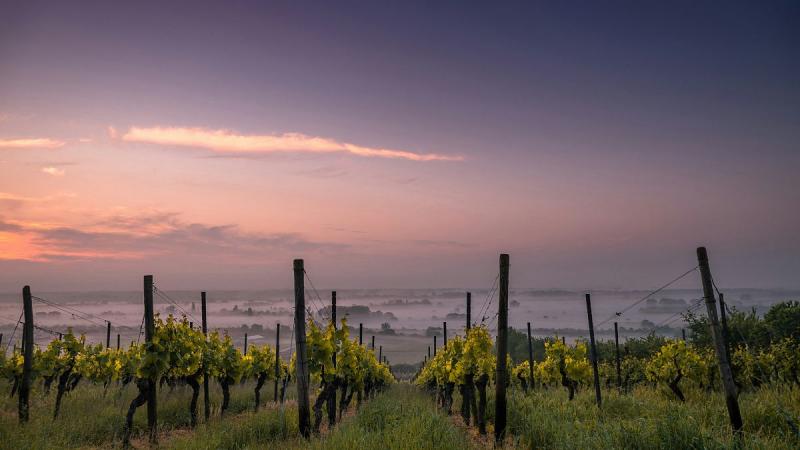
401 145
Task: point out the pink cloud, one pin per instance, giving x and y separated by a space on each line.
30 143
229 142
54 171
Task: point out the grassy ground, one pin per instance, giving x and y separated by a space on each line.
649 418
91 417
404 417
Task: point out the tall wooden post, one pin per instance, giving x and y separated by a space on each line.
429 352
434 345
117 341
360 334
303 408
380 353
469 310
108 334
502 350
245 344
616 352
726 374
373 343
206 400
332 397
593 351
444 335
149 331
277 359
27 351
530 353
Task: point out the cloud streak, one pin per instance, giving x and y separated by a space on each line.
54 171
34 143
156 234
225 141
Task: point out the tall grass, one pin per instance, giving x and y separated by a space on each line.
649 418
93 417
402 418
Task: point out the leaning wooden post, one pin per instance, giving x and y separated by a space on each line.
206 401
108 334
360 334
27 350
469 310
245 344
502 351
726 374
303 409
616 351
530 353
593 351
277 359
149 331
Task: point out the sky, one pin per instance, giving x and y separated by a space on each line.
398 144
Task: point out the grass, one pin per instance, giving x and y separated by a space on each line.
650 418
402 418
91 417
405 417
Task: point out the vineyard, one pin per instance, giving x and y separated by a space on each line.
475 390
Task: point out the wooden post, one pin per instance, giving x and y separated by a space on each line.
731 399
332 397
429 352
593 351
444 334
303 409
277 359
373 343
725 333
108 334
469 310
149 331
530 353
191 324
616 351
206 401
502 350
564 340
380 353
27 351
360 334
1 339
434 345
683 333
117 341
245 344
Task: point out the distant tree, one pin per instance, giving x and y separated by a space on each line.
387 329
748 329
433 331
